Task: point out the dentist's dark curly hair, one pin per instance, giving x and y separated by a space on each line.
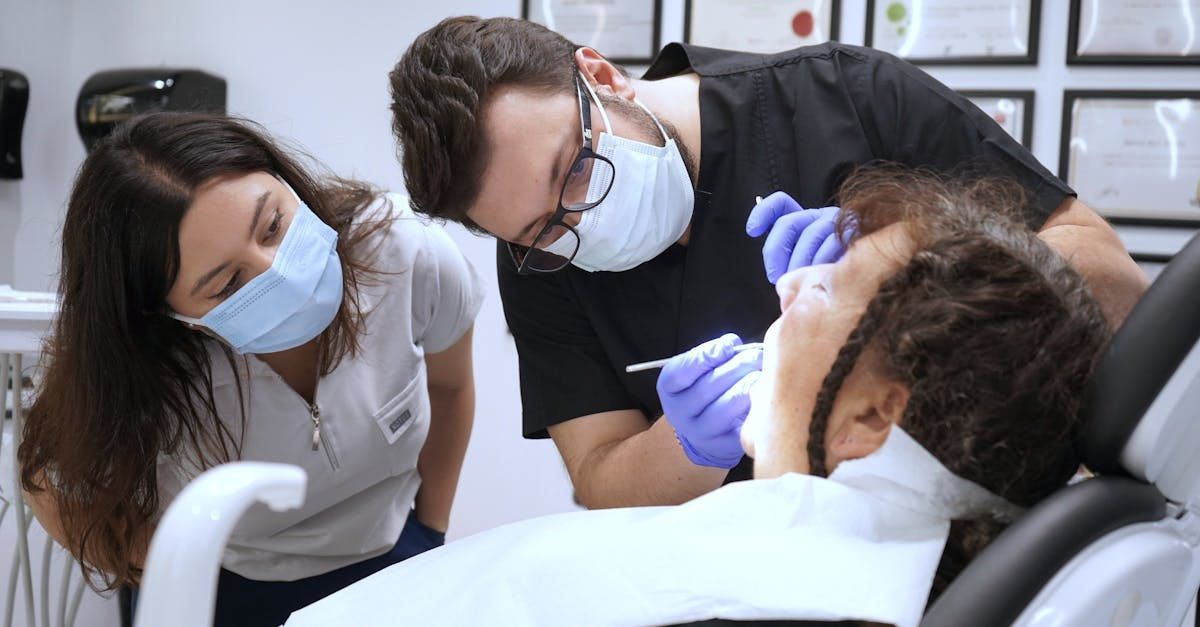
992 332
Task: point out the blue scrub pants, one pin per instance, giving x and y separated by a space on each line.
245 602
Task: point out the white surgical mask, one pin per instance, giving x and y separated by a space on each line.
648 208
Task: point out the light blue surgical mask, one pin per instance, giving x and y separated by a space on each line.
291 302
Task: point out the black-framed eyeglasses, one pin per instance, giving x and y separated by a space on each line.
588 182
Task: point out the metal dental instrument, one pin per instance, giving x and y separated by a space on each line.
659 363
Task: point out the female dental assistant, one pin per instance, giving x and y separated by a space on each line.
219 303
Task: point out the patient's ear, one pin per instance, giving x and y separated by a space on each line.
873 406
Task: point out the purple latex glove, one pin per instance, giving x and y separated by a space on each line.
797 237
705 395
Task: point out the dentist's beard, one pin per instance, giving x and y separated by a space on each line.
645 130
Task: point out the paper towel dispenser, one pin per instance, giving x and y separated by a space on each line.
14 101
109 97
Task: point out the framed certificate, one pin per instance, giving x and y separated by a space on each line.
1012 110
1134 156
1134 32
624 31
956 32
760 25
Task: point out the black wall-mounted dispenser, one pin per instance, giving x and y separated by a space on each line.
14 101
110 97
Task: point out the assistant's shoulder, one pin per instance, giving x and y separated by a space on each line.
401 237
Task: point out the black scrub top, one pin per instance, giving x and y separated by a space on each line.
796 121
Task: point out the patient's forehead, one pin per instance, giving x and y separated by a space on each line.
847 286
882 252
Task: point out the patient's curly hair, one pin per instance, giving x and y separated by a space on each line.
993 333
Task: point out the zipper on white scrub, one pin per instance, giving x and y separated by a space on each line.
314 413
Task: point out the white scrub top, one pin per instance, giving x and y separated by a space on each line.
374 410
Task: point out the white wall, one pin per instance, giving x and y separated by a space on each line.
315 72
312 71
33 35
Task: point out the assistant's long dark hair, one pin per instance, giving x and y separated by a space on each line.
992 332
124 383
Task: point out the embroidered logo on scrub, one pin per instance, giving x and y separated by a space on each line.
399 421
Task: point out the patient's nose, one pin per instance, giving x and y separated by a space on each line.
789 286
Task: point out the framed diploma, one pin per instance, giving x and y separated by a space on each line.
760 25
1012 110
1129 32
624 31
1134 156
956 32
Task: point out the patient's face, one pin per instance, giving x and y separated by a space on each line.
820 306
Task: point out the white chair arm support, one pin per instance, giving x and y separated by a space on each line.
179 585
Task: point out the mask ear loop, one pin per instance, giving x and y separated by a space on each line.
655 118
197 326
604 114
599 105
285 184
194 322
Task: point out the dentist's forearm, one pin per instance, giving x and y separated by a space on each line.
1093 249
647 467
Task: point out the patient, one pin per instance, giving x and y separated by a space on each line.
934 374
945 317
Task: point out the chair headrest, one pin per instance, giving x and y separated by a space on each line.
1143 408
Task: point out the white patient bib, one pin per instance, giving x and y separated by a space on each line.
863 545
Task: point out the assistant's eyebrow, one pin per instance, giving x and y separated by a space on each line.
259 205
208 277
258 209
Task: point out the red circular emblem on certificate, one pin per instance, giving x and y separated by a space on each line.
802 24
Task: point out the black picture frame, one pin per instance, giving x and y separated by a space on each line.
1162 258
1151 263
835 20
655 37
1064 153
1027 96
1074 58
1030 58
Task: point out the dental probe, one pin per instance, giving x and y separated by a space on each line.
659 363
